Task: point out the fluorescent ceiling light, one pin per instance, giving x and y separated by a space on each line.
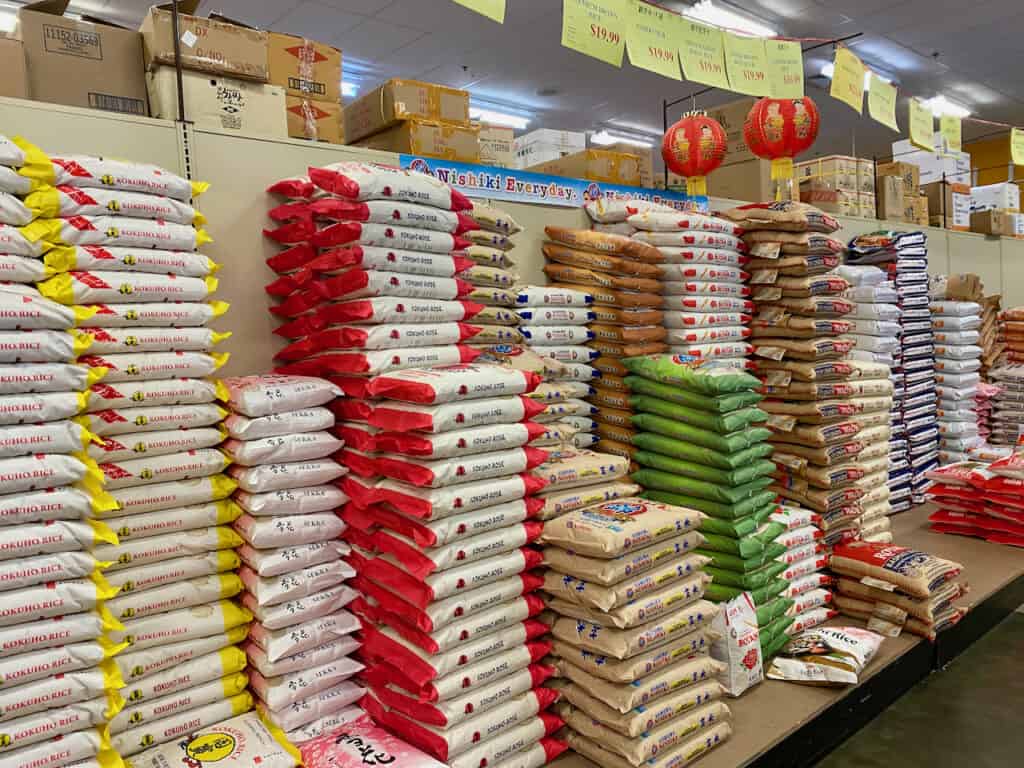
349 88
940 105
720 16
494 117
604 138
8 19
829 69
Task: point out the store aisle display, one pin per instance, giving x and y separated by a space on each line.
904 257
958 352
980 499
294 576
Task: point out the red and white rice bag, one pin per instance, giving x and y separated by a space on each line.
459 443
26 473
277 477
22 269
443 385
120 421
116 340
101 287
104 397
383 309
424 561
674 221
439 473
360 181
155 365
59 690
14 242
387 236
684 238
65 201
162 469
34 408
704 272
377 212
378 337
39 635
119 231
718 256
42 346
29 571
104 173
55 599
173 313
64 503
21 312
334 364
448 416
135 445
302 420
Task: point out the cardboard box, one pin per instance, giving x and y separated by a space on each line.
749 182
835 171
891 201
908 172
932 165
220 103
867 204
918 209
953 200
415 137
14 83
822 195
866 176
497 145
305 68
646 155
545 145
732 116
992 222
314 120
81 63
213 45
595 165
996 197
396 100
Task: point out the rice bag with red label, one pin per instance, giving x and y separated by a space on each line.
183 493
704 272
361 283
709 303
117 230
716 256
302 446
63 503
713 351
386 236
133 445
80 258
451 471
35 408
383 310
379 337
18 243
113 340
162 469
22 269
450 416
703 288
684 238
389 212
155 365
171 392
557 336
54 536
37 313
116 287
464 442
380 361
42 346
65 201
673 221
362 182
152 419
289 530
443 385
175 313
277 477
293 188
683 337
705 319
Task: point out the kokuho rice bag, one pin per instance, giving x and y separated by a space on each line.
151 393
114 340
116 231
114 287
172 313
83 258
154 365
22 269
65 201
135 445
152 418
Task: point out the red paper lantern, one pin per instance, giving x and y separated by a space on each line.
693 148
780 129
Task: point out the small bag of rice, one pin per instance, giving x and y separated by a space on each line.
826 656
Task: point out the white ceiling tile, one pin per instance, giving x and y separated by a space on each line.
362 7
373 39
318 22
259 14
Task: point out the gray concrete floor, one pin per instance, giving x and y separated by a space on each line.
970 714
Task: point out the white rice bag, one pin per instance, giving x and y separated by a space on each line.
135 665
182 493
154 549
275 562
135 445
121 421
37 313
54 599
84 745
58 691
65 202
147 393
179 626
557 335
155 365
105 173
157 314
22 269
272 590
289 530
13 183
277 477
332 650
300 610
144 737
214 665
294 501
54 723
143 577
303 446
28 571
51 437
118 231
317 705
268 394
100 287
13 241
113 340
196 696
25 473
37 635
289 422
277 644
79 258
42 346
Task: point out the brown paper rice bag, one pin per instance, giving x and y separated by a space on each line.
599 597
819 500
654 744
614 417
811 350
628 334
623 643
925 609
636 723
639 666
615 265
614 298
835 370
812 306
611 571
615 448
619 527
792 243
818 285
827 390
603 242
633 349
787 215
617 383
634 316
610 398
622 435
798 327
563 273
643 609
826 411
626 696
562 501
610 365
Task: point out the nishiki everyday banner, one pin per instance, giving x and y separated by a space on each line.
538 188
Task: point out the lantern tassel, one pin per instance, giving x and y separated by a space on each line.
696 186
782 168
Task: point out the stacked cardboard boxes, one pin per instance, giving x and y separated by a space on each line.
310 73
839 184
546 144
415 118
898 190
596 165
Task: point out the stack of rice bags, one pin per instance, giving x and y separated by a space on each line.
554 322
875 326
58 683
611 214
957 352
895 588
706 301
371 280
293 571
1008 404
442 517
904 257
983 500
631 634
989 341
623 277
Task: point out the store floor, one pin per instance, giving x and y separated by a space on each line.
967 714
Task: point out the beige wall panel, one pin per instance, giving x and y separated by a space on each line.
976 254
1012 259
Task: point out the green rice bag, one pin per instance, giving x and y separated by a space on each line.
752 580
721 423
651 441
721 404
746 545
731 529
747 474
756 503
719 593
740 564
664 424
686 372
666 481
773 646
773 609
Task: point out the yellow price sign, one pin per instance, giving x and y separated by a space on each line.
595 28
746 64
922 126
651 39
882 102
785 62
848 79
492 9
1017 145
949 128
702 54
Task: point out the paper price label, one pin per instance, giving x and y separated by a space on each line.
591 27
848 79
702 54
785 63
746 64
949 128
922 126
882 102
492 9
650 39
1017 146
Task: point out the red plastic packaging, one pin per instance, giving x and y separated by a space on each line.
444 384
294 189
443 472
393 416
292 258
362 337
